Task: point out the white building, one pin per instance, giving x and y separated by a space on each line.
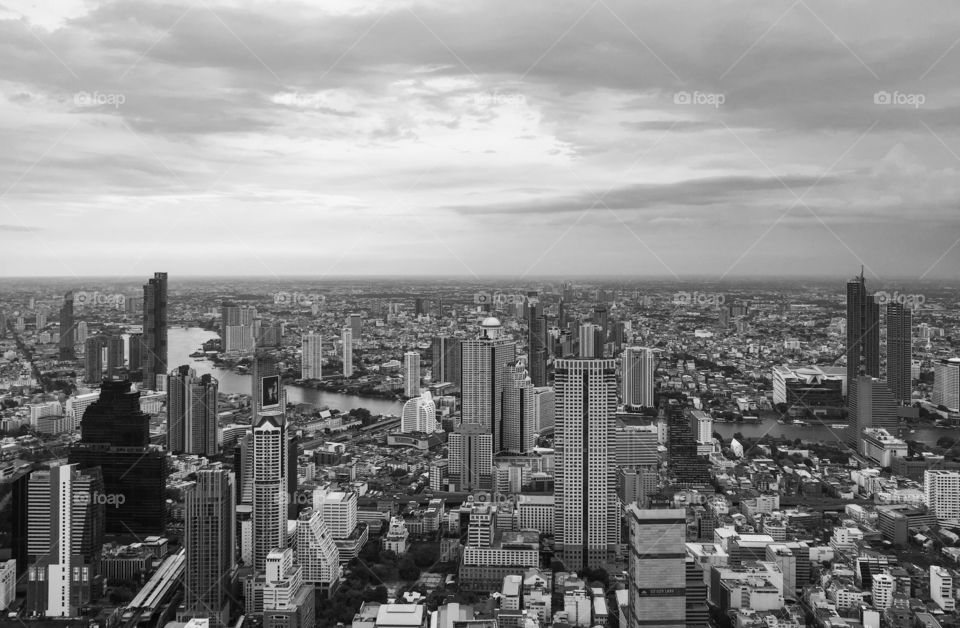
544 407
942 489
311 356
484 360
639 364
283 581
537 512
339 511
397 536
946 384
346 339
411 373
941 588
884 586
519 429
8 583
419 415
316 550
881 447
269 485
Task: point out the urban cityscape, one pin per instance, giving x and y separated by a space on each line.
451 314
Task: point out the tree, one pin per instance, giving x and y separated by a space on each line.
408 570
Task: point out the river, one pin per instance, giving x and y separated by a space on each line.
184 341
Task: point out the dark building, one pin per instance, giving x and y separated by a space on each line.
697 612
688 469
115 436
136 352
68 330
93 358
421 306
114 355
537 340
446 360
154 356
899 350
863 333
19 483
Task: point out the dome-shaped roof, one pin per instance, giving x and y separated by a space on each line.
490 321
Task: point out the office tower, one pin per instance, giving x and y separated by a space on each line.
154 355
346 339
946 384
635 445
267 390
635 485
537 340
688 469
871 404
446 360
135 351
288 602
591 345
701 424
411 373
316 551
863 333
657 573
601 318
419 415
544 408
64 539
93 359
67 331
484 361
311 358
40 321
587 525
697 613
82 332
470 458
356 326
942 495
639 365
899 351
339 510
115 359
237 328
421 306
208 537
268 335
270 484
192 413
519 415
115 436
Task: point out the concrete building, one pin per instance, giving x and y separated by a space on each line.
639 365
941 589
311 356
419 415
942 492
946 384
411 373
656 576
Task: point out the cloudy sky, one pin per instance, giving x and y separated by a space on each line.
528 138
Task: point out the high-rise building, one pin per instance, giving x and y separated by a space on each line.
863 333
346 339
64 539
270 484
587 524
689 470
115 436
135 351
470 457
311 359
419 414
411 373
356 325
83 330
946 384
93 359
115 355
154 356
591 340
544 408
209 531
316 551
484 361
537 340
942 495
67 330
237 328
639 364
191 413
288 602
519 414
657 568
267 390
446 360
899 351
871 404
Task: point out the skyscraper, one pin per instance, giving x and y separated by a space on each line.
208 538
311 358
446 359
154 356
67 330
639 364
591 341
135 350
519 413
657 574
587 525
356 325
470 458
484 361
316 551
536 340
237 328
863 333
411 373
871 404
191 413
93 359
946 384
270 472
419 414
346 339
115 358
267 390
899 351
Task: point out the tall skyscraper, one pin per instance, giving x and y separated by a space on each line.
192 413
419 414
657 574
356 325
601 318
689 470
115 355
154 356
446 360
946 384
519 413
899 351
470 457
591 341
270 473
267 390
115 436
942 495
537 340
863 333
587 525
311 358
484 362
135 351
871 404
237 328
639 365
316 551
209 531
67 330
93 359
64 539
411 373
346 339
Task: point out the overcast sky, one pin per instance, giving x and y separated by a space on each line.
474 138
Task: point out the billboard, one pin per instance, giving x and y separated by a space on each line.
269 391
